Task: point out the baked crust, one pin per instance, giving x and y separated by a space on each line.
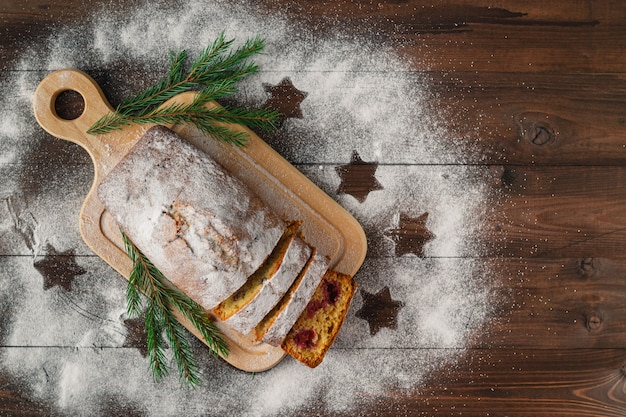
201 226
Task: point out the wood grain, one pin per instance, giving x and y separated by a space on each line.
14 402
485 36
533 93
575 382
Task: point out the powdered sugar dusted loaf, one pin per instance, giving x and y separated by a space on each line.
202 227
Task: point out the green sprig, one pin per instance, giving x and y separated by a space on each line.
162 299
213 76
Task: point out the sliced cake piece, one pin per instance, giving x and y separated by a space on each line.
248 305
318 325
201 226
266 270
276 324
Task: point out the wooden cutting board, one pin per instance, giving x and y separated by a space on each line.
326 224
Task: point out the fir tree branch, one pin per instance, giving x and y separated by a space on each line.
208 120
181 348
213 75
209 331
156 344
162 298
133 297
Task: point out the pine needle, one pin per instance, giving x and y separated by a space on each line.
213 75
162 298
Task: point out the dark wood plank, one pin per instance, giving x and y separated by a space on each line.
557 303
533 211
524 383
562 211
460 35
531 92
495 118
465 35
528 303
555 119
543 303
512 382
568 383
527 211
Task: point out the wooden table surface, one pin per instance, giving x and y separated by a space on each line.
521 116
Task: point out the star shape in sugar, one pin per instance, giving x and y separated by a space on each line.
358 178
58 269
379 310
285 98
411 234
136 335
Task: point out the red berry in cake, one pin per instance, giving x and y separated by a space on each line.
332 291
304 339
313 307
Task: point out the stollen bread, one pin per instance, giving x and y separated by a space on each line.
217 241
204 229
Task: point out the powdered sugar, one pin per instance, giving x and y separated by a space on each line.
360 97
298 297
184 211
272 290
445 301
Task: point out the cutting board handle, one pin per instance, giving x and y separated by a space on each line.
75 130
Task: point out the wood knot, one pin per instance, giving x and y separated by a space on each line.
500 176
539 135
587 267
623 371
594 322
534 127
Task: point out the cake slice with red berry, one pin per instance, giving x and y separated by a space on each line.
317 327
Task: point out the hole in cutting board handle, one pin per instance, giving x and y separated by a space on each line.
69 104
